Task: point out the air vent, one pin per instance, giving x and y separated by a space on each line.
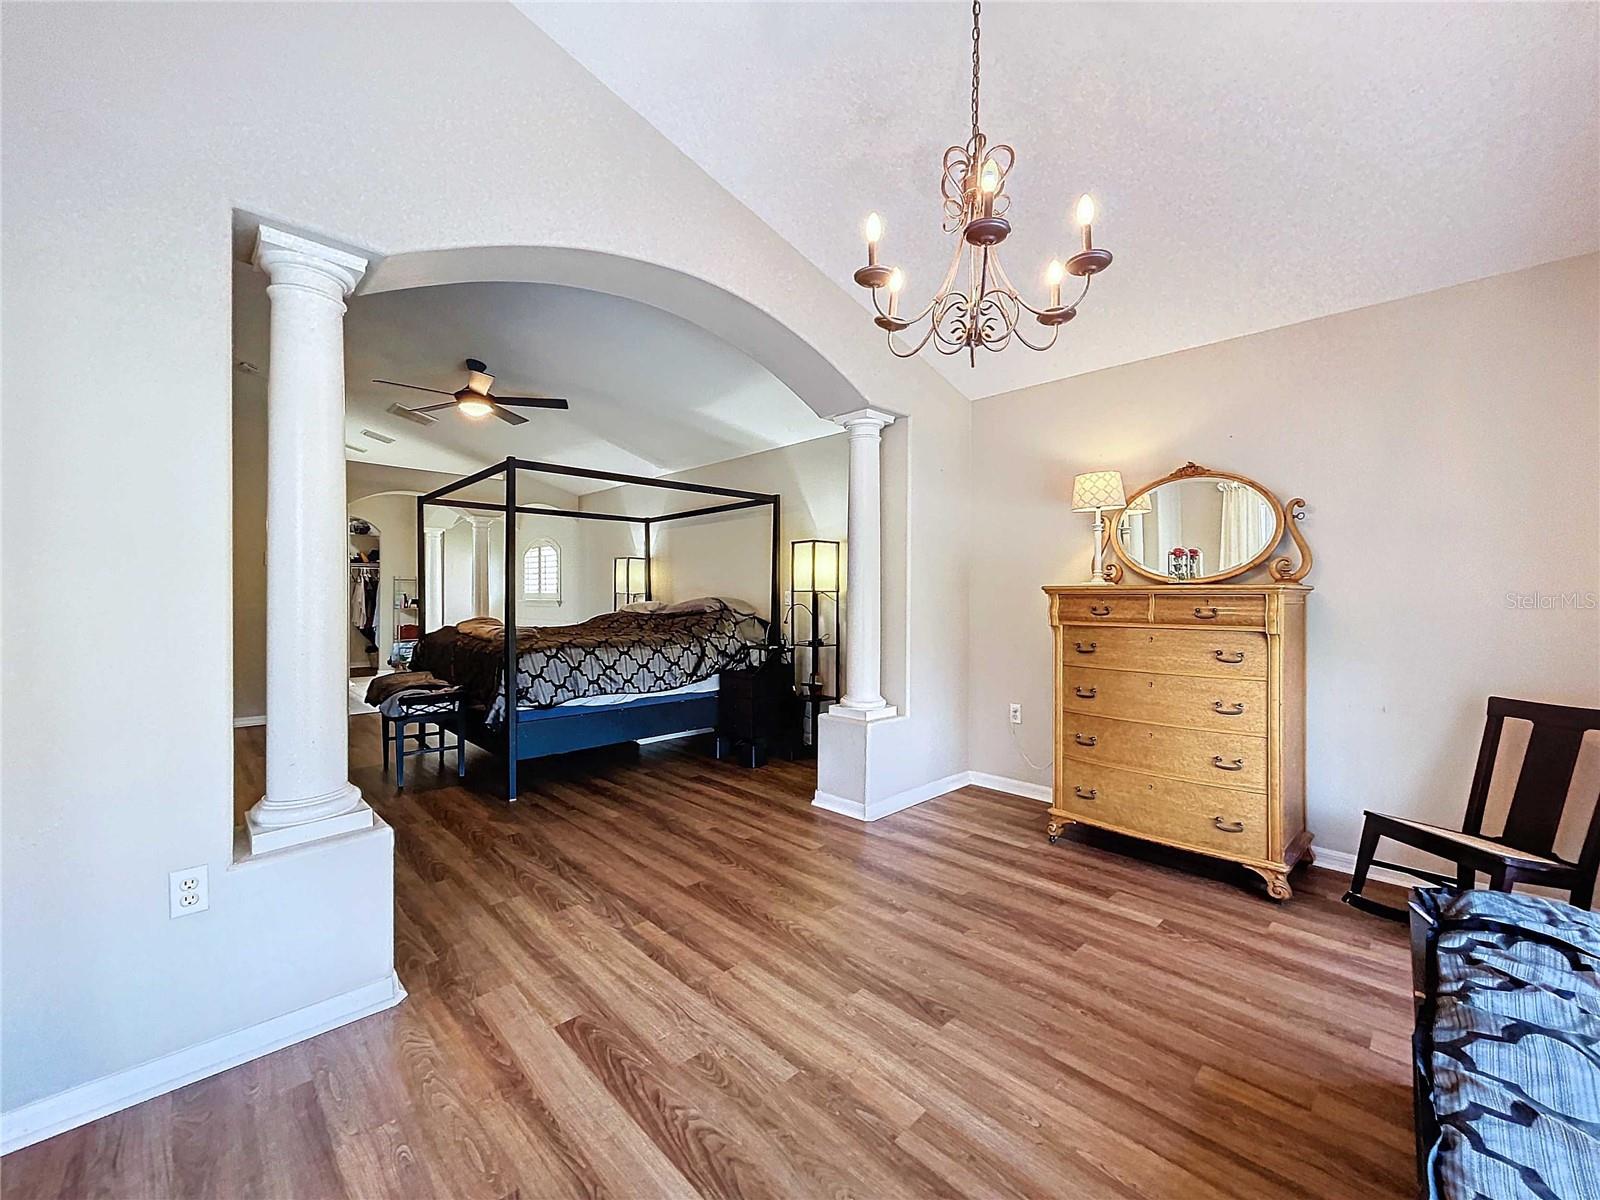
419 418
355 449
378 437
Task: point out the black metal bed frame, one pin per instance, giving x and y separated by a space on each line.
740 499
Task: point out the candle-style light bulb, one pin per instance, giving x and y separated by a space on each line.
897 280
989 185
873 231
1085 215
1054 275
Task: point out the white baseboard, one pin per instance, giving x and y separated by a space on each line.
1345 863
112 1093
890 804
246 722
1014 787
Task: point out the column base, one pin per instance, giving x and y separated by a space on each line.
850 712
279 826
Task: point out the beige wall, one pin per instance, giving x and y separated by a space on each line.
1448 447
728 555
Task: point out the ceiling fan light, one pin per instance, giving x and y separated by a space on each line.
474 408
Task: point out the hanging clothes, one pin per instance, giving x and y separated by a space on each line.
364 606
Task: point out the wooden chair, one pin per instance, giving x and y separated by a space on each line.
1524 852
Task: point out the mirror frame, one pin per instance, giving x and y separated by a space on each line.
1282 516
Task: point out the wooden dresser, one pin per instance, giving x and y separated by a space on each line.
1180 718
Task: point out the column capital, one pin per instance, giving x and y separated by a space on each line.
482 520
864 422
288 259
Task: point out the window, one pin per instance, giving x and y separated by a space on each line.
541 572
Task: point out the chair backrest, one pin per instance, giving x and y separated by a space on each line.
1545 779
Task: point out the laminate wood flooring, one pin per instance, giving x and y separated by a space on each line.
660 976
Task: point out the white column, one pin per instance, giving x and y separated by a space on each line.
482 527
309 793
863 614
433 578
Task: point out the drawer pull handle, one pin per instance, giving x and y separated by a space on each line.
1205 614
1085 693
1227 710
1099 610
1086 795
1222 656
1082 649
1091 740
1223 764
1228 826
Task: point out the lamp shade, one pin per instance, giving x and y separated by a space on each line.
1141 504
1095 490
814 566
628 576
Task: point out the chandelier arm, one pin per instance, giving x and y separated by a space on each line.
915 350
1055 331
908 320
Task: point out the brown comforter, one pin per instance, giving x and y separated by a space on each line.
633 653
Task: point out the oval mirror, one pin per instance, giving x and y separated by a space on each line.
1198 526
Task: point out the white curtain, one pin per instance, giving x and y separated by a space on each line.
1246 524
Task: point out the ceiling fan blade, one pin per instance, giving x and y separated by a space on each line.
412 414
509 417
413 387
529 401
428 408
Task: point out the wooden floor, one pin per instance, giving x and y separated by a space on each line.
661 976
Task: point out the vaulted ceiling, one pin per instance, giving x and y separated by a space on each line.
1256 164
650 393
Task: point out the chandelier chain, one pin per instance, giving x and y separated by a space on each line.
977 7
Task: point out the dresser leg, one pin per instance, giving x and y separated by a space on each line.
1277 882
1054 829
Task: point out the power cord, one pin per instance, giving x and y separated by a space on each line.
1018 744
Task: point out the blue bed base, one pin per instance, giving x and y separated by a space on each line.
545 731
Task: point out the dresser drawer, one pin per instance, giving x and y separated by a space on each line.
1214 653
1123 607
1197 608
1217 820
1225 705
1199 755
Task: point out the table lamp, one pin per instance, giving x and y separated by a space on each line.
1098 492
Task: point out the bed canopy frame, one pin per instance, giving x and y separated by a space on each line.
443 497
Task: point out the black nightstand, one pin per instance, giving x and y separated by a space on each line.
756 712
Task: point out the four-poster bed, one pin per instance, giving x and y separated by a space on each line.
630 644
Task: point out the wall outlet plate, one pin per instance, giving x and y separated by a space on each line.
1016 714
188 891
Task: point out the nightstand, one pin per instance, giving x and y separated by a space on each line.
756 712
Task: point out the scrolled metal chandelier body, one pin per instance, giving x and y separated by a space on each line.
983 310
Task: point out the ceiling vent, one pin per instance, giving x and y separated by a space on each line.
355 449
419 418
378 437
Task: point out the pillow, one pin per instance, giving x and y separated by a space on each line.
644 606
701 604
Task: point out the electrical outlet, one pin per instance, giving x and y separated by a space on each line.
1016 714
188 891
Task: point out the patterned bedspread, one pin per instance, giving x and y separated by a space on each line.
1515 1050
609 654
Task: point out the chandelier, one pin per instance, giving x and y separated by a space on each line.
983 309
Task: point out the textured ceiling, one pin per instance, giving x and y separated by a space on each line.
651 394
1256 164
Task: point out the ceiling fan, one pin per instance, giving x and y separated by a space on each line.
474 401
